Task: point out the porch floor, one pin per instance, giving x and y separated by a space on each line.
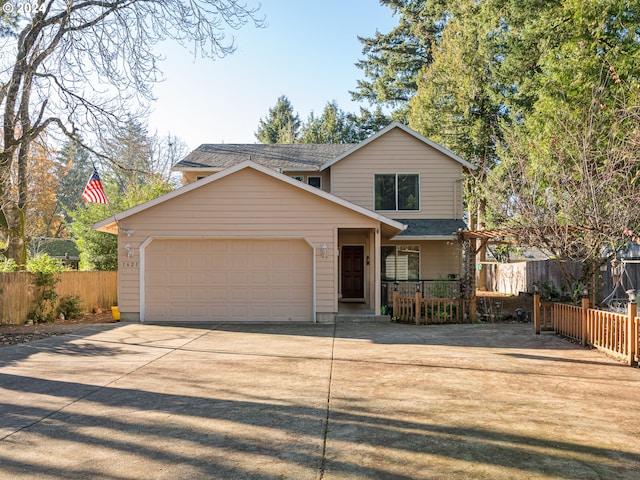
349 312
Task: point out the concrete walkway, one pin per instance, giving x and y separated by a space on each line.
352 401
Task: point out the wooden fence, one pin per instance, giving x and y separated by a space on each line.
513 278
95 289
617 334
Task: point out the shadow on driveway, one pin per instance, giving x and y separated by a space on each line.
267 402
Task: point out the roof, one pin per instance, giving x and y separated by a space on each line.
298 156
405 129
304 156
110 225
431 229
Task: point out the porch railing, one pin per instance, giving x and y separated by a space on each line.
440 288
409 304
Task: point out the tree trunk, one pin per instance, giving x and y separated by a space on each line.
16 241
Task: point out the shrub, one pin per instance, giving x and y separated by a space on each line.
45 270
8 265
70 306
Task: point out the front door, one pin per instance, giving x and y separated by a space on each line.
353 271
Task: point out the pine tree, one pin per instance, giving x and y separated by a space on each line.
282 125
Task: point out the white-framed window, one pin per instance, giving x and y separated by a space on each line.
299 178
400 262
396 191
315 181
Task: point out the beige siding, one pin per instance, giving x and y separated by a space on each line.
438 259
399 152
246 204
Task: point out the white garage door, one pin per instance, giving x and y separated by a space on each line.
228 280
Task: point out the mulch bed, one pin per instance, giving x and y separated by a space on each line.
16 334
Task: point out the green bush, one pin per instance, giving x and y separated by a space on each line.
45 270
8 265
70 306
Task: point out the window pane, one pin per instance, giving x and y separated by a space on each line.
385 192
315 181
388 263
408 263
408 193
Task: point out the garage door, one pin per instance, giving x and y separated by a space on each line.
228 280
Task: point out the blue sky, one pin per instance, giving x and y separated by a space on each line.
307 52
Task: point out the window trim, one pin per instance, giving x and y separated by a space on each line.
396 174
300 178
319 177
396 247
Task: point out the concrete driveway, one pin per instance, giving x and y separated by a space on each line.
356 401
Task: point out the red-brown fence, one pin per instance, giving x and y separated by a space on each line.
430 310
617 334
95 289
567 320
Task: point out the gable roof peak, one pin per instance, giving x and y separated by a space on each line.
413 133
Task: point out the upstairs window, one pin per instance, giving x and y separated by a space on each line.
315 181
397 191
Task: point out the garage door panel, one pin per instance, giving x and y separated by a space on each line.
228 280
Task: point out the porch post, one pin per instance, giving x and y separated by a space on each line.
377 273
418 304
632 340
586 304
396 303
536 310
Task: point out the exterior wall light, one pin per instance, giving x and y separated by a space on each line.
127 247
325 249
632 296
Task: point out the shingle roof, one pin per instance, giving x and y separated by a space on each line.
431 227
275 156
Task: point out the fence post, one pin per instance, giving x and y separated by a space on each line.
396 305
536 309
632 343
586 304
418 304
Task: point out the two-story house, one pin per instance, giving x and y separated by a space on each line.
291 232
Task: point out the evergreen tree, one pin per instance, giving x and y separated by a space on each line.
394 60
366 123
130 151
73 168
282 125
333 126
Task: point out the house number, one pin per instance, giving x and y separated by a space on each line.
128 264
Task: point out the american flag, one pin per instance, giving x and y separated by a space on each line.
94 192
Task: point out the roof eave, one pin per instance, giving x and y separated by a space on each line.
416 238
107 225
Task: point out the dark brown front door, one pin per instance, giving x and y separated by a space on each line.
352 272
